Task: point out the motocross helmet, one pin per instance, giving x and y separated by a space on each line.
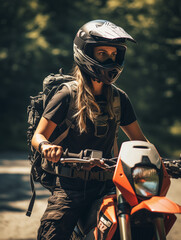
100 33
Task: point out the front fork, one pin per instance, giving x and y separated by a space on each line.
159 229
123 217
124 221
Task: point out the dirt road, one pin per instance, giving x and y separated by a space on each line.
15 194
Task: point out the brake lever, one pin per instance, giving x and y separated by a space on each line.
73 160
91 162
101 163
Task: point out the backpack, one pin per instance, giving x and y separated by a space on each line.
51 84
44 171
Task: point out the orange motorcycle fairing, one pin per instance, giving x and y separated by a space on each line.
106 219
160 205
123 184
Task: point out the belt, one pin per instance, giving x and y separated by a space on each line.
83 174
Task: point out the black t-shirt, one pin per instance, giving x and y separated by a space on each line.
56 111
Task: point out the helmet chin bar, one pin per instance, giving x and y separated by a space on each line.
107 76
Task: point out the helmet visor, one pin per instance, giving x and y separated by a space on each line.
110 31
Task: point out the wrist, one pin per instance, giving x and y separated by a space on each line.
41 144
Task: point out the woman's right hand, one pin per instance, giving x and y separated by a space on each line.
52 152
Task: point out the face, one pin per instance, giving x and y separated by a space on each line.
103 53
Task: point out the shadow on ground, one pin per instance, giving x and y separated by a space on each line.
15 194
16 187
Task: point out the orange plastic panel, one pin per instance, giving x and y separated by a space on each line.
107 221
158 204
122 183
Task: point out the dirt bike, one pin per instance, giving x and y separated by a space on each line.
139 209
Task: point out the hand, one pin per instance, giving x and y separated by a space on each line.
93 163
52 152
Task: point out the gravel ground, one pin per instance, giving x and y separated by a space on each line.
15 193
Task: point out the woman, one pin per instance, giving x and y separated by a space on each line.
99 49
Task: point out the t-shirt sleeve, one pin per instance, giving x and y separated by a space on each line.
56 109
128 115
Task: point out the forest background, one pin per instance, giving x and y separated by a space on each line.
36 39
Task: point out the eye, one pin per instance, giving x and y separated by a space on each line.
114 54
102 54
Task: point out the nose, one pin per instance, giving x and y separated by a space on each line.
112 56
109 56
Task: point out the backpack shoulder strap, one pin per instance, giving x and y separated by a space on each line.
72 87
116 103
117 112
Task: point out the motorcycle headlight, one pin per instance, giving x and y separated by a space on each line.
146 181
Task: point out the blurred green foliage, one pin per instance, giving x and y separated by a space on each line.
36 39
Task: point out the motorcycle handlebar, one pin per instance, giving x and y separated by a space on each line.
74 160
83 155
88 157
172 166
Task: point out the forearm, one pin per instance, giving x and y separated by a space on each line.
37 139
134 132
43 132
40 141
50 151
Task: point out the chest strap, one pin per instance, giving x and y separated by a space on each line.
83 174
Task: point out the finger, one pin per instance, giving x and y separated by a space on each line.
102 162
53 154
45 153
58 154
48 153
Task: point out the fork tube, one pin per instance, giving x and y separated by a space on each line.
159 229
123 218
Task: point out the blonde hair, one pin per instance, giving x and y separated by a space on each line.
85 101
